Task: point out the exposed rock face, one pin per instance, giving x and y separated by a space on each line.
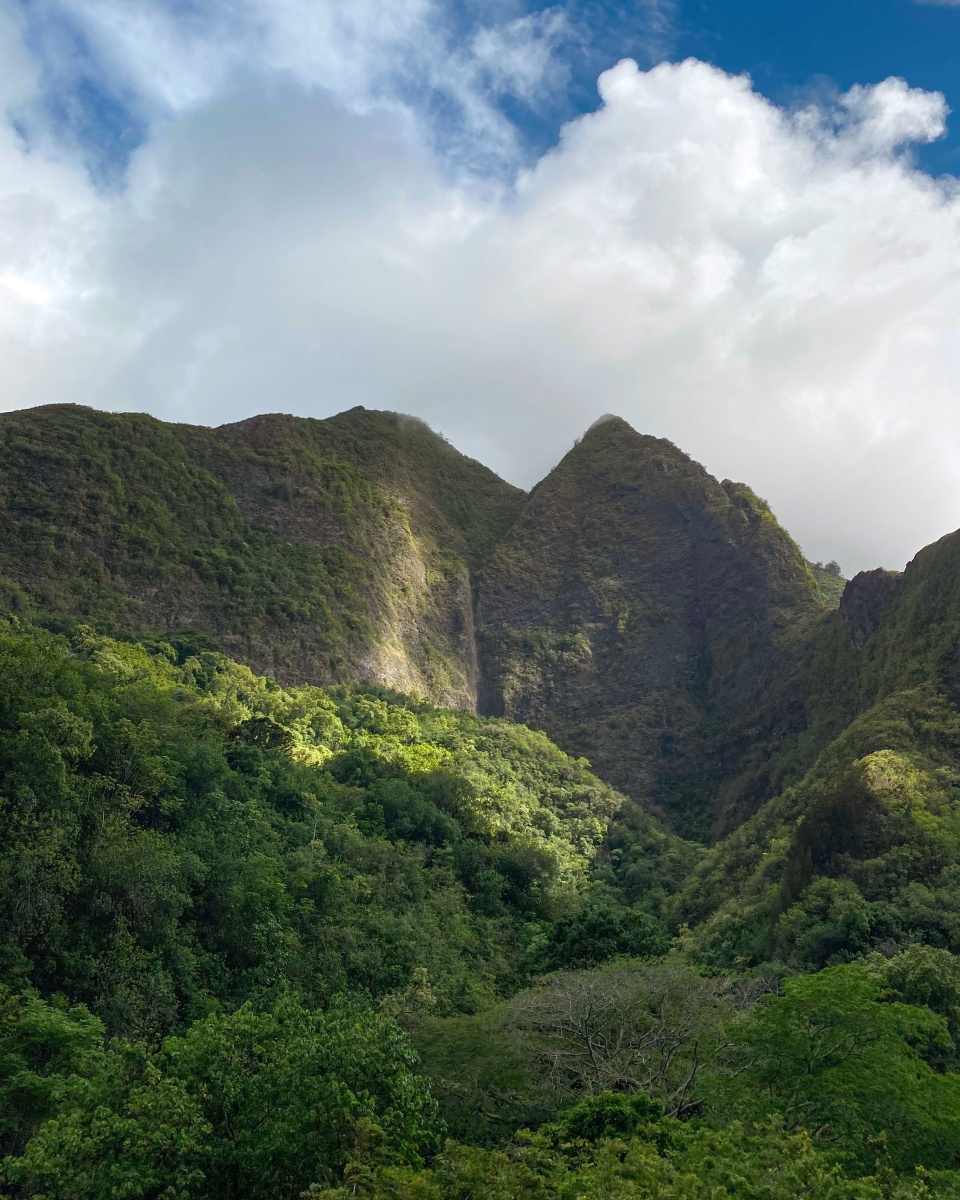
636 611
863 601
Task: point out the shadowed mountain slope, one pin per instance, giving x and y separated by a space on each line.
862 850
642 613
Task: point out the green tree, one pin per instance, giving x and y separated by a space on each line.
669 1160
602 931
930 978
41 1046
830 1055
283 1092
251 1105
605 1116
129 1132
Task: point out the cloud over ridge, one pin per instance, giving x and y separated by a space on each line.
775 291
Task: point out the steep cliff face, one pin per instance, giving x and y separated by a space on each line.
637 610
327 551
415 515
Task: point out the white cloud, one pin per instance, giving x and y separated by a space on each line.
890 114
175 59
777 293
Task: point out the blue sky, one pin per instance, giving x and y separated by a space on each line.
791 48
468 211
794 51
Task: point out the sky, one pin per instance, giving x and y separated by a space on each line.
736 224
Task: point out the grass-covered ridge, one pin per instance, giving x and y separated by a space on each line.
830 581
642 612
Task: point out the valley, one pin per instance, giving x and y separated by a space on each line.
494 844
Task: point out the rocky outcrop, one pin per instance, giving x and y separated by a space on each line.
863 602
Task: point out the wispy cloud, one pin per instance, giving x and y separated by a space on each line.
421 58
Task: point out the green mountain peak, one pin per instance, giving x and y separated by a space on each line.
637 607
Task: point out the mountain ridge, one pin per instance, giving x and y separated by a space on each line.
652 607
297 559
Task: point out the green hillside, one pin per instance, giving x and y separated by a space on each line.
301 899
861 852
325 551
177 827
281 942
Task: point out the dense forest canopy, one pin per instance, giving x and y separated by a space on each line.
308 933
